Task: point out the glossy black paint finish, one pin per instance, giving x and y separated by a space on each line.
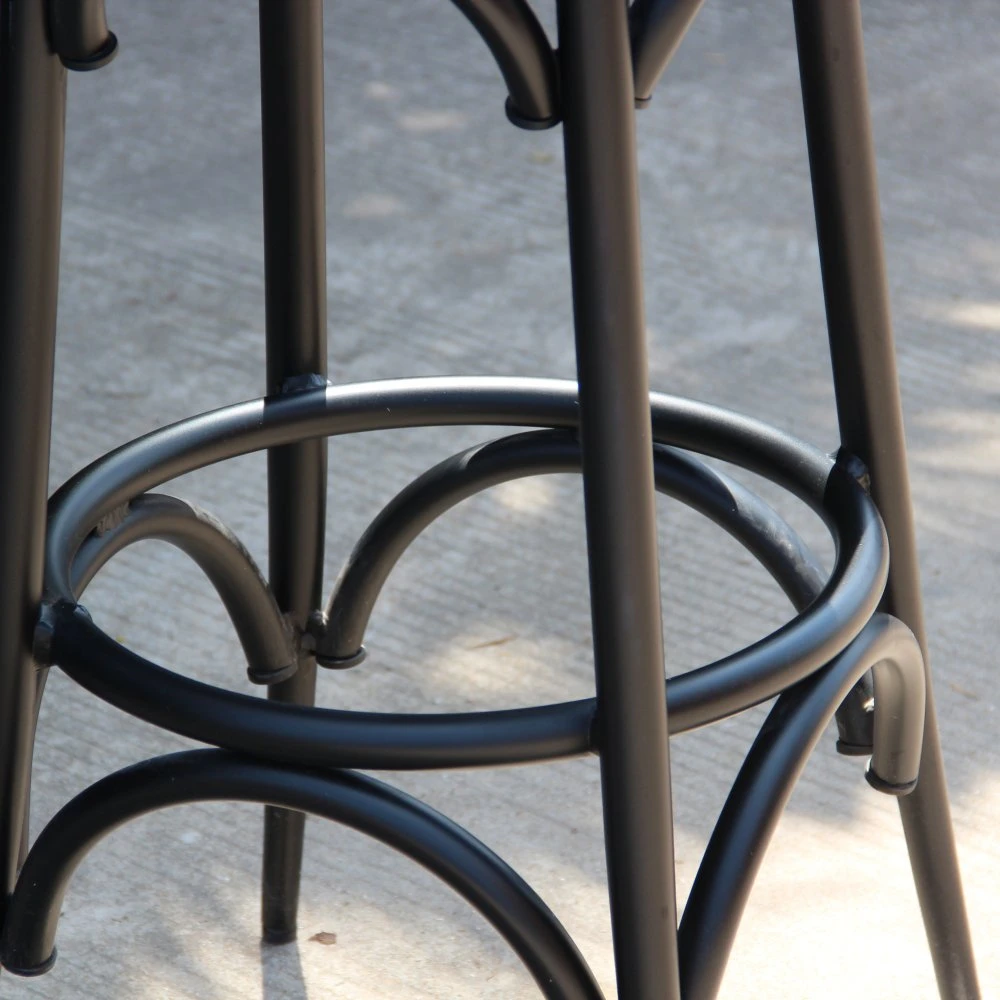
848 222
291 77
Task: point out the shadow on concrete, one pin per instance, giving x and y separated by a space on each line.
281 972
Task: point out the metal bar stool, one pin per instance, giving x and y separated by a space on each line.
856 646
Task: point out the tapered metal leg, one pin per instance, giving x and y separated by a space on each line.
601 181
834 87
291 47
32 115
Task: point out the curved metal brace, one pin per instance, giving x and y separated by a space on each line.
359 802
800 647
769 538
768 775
697 698
657 28
522 51
306 735
78 32
265 637
241 428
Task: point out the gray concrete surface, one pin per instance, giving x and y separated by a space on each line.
447 255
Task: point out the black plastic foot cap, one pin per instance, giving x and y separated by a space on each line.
271 676
342 662
854 749
33 970
881 785
95 60
531 124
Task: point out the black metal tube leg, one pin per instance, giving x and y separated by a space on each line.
32 115
838 128
602 193
291 47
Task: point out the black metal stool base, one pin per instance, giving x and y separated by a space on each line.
855 647
816 658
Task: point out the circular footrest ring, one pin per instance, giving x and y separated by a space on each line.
324 737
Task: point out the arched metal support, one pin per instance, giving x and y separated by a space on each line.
742 833
79 35
354 800
724 500
657 28
526 60
266 640
756 525
768 775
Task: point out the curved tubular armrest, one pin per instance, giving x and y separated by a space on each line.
263 633
356 801
78 33
768 775
769 538
522 51
657 27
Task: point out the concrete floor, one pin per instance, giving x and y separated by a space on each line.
447 255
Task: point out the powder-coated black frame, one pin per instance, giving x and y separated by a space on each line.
857 633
